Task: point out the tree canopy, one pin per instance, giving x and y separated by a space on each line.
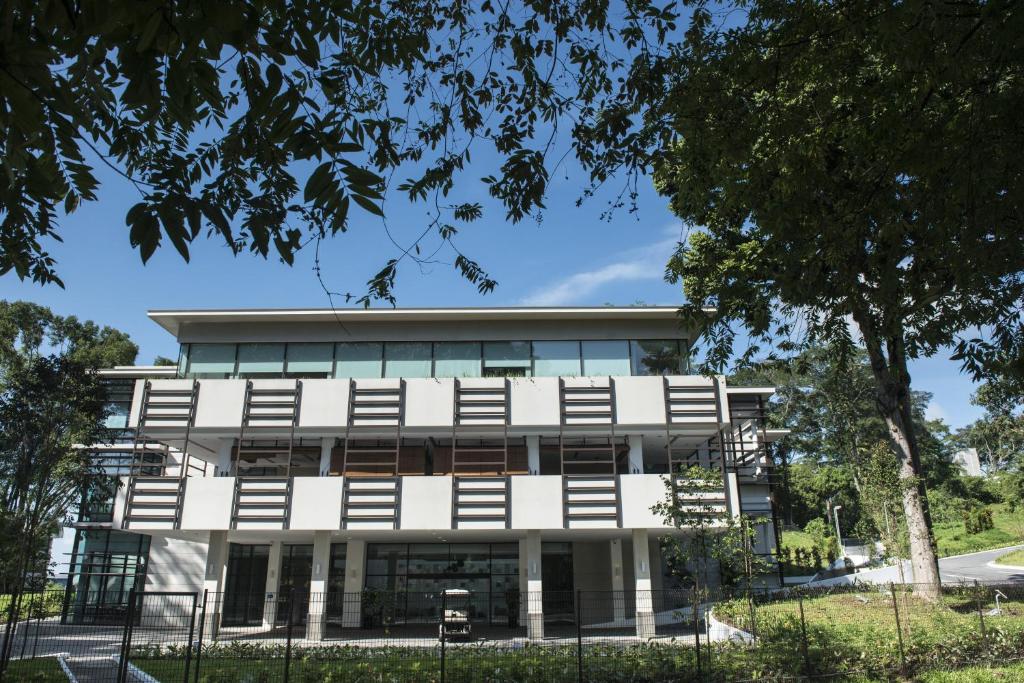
265 122
51 402
853 172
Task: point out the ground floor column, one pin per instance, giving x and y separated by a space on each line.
618 585
533 454
326 446
273 583
636 453
732 494
534 587
213 581
644 594
355 560
318 585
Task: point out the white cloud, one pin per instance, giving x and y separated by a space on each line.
934 411
642 263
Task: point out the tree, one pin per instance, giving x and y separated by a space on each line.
51 402
710 538
263 122
853 172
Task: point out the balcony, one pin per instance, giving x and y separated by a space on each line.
487 407
516 502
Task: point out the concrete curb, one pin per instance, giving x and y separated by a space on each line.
65 668
719 631
1009 567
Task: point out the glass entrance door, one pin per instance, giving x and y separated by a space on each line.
556 574
246 581
296 574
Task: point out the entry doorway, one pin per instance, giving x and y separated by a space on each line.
557 579
296 574
243 597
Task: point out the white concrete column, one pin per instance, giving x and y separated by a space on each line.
318 585
534 587
225 449
533 454
273 584
644 596
326 446
213 580
618 585
355 560
636 453
524 586
732 494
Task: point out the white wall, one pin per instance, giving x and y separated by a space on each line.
175 564
208 502
220 403
535 401
429 402
537 502
426 503
638 493
316 503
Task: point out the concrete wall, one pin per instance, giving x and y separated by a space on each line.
175 564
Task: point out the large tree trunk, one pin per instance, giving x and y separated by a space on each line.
893 384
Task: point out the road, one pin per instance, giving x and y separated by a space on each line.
955 569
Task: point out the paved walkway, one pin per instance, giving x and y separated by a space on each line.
956 569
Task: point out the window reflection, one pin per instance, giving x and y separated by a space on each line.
657 357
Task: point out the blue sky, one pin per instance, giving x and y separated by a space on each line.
570 256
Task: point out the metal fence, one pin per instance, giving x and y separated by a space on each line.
870 631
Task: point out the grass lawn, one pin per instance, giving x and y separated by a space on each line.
1002 674
43 670
953 539
1015 558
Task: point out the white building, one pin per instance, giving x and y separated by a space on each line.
515 452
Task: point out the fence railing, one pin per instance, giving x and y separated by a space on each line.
386 635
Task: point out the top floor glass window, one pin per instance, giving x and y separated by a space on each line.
407 359
211 361
606 358
556 359
457 359
359 360
256 361
309 360
659 357
507 359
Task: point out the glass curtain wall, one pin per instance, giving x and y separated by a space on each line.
246 582
405 581
360 360
105 565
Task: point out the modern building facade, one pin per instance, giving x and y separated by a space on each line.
352 454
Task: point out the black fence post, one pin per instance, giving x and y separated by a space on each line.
803 637
10 630
899 630
126 638
28 623
441 632
695 602
579 636
981 613
191 633
202 624
753 613
288 635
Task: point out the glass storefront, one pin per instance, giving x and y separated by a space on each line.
406 579
105 565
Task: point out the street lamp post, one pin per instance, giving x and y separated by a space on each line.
839 535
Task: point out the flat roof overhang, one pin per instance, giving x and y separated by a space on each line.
172 320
